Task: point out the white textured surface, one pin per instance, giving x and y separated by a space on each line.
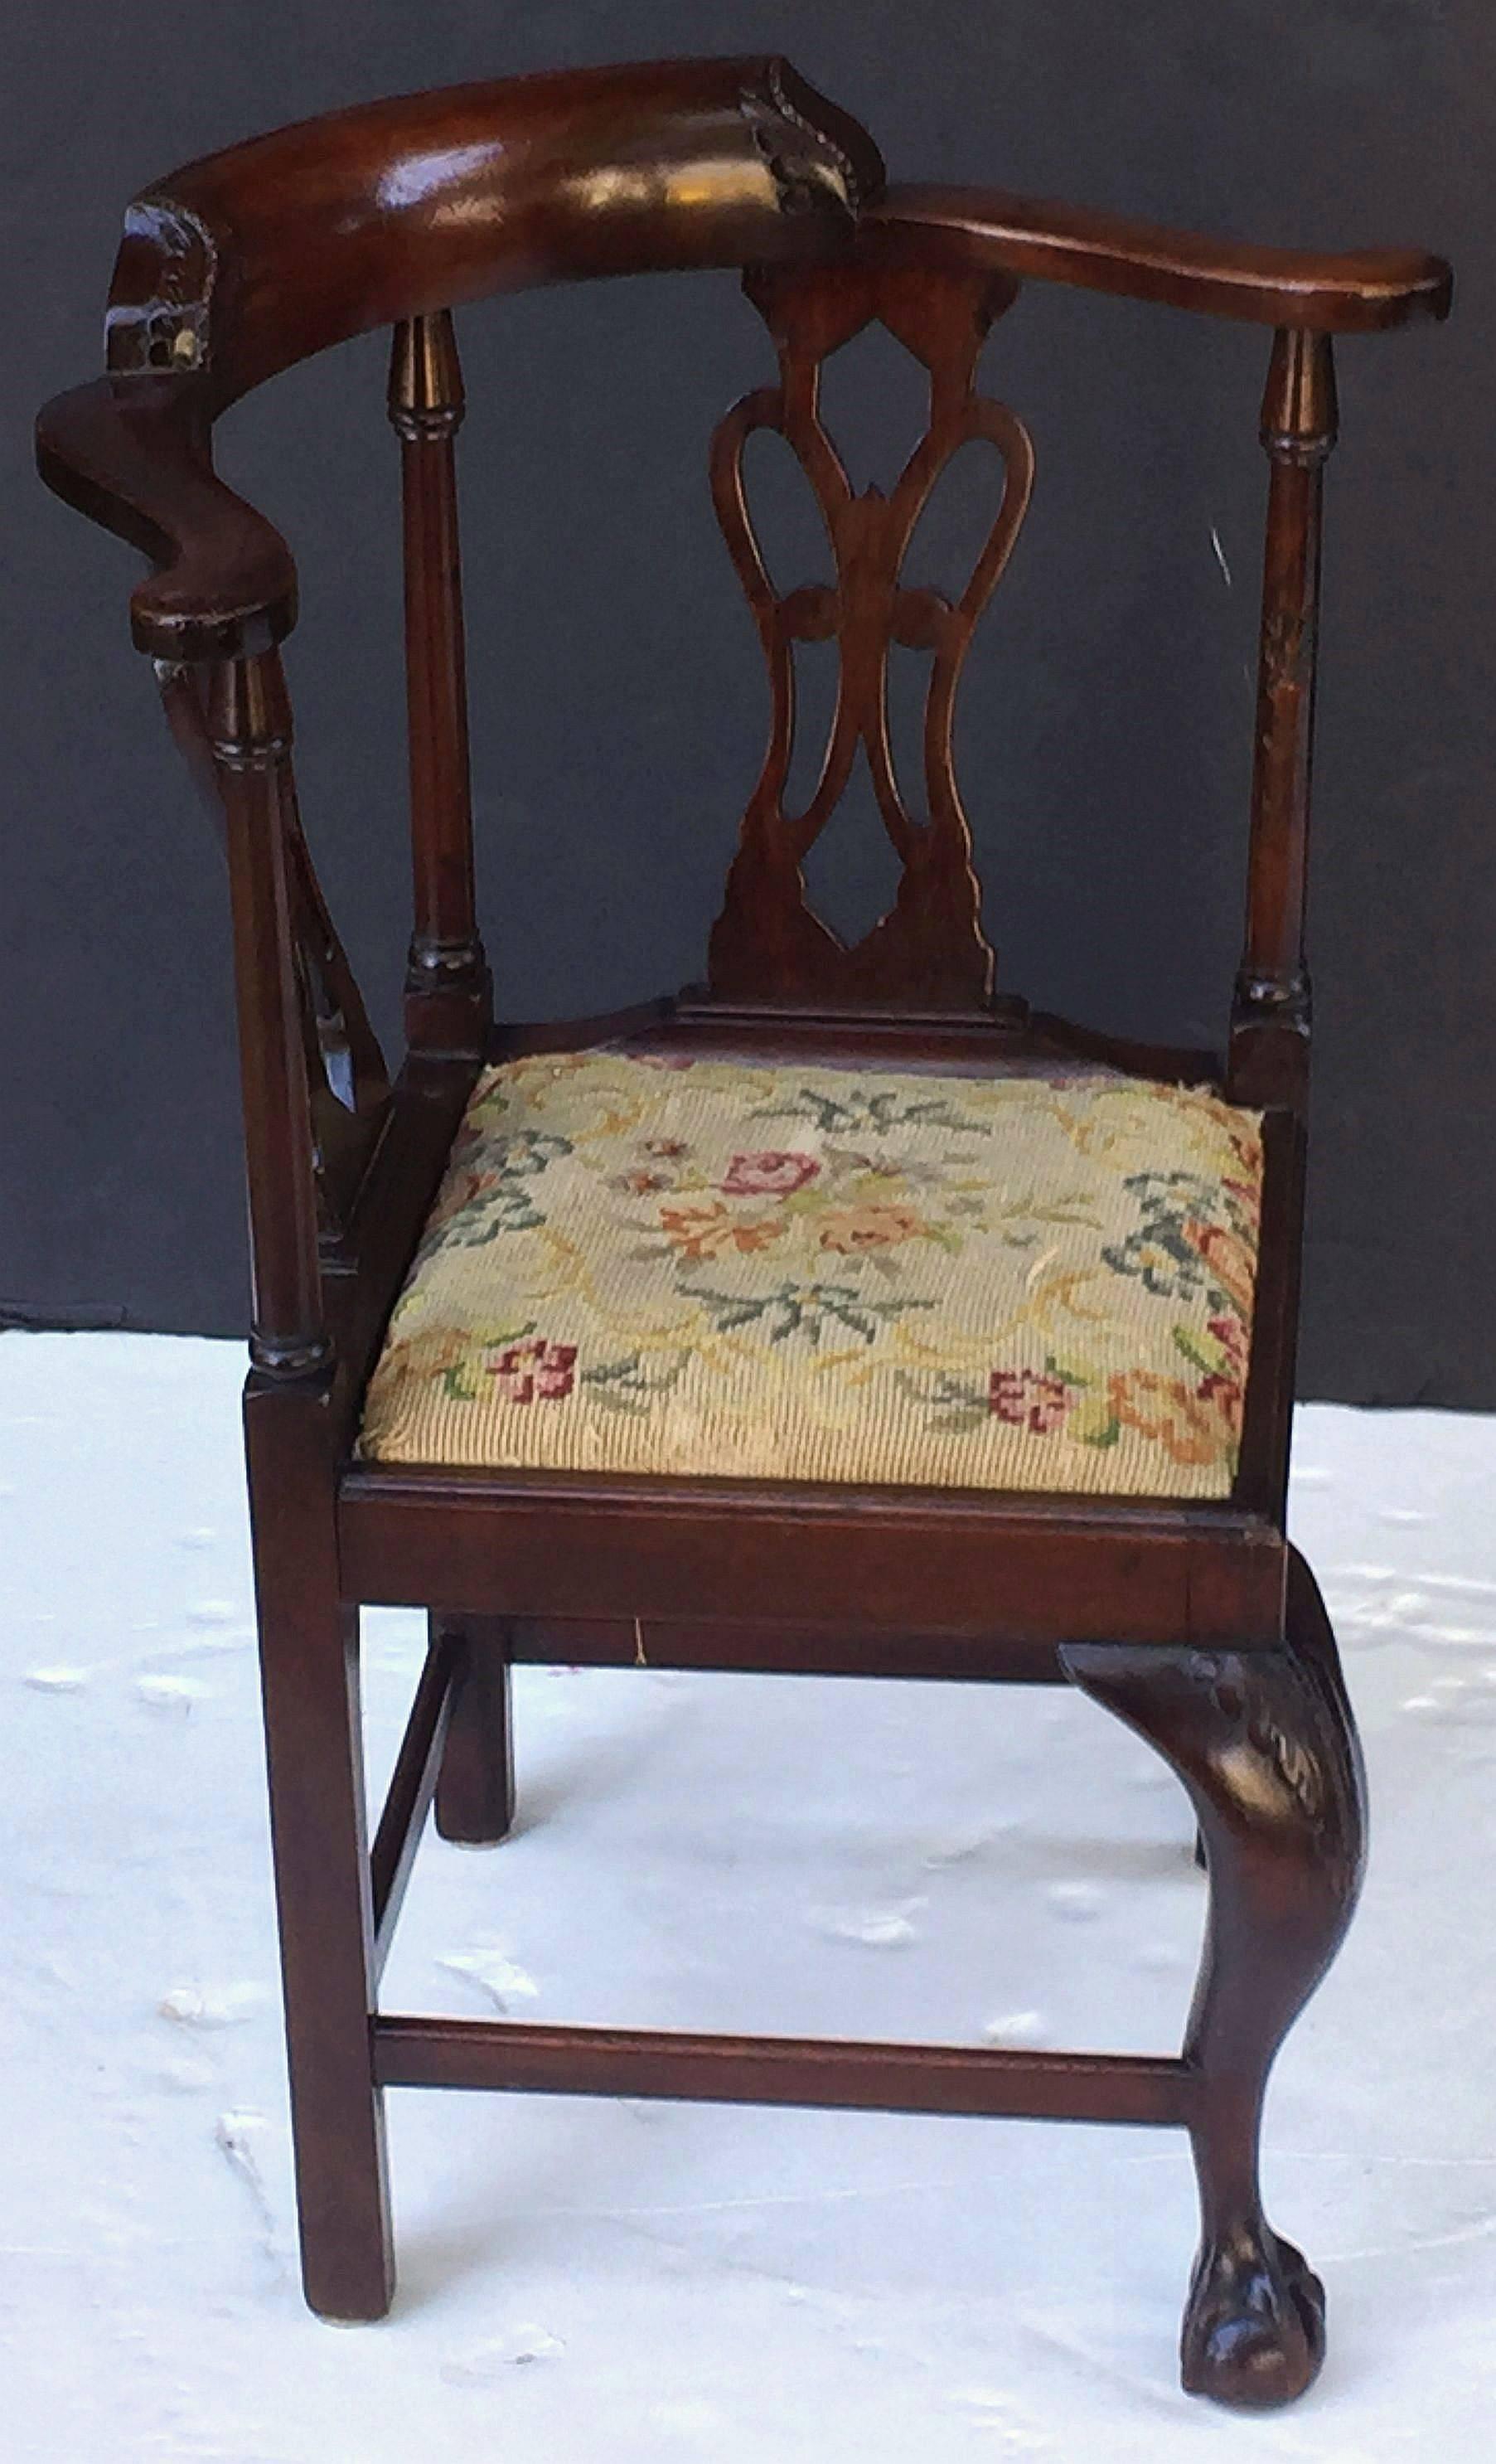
633 2281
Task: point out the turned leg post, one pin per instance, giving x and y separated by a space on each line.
1264 1744
475 1789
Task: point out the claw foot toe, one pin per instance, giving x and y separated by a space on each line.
1254 2330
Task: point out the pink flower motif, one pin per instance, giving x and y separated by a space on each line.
1032 1398
1226 1388
527 1370
768 1174
1225 1393
1231 1335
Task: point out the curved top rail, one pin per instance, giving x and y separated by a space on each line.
1360 292
242 263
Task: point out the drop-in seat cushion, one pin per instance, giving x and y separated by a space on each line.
650 1264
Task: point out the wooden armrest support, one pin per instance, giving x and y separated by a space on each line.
1360 292
132 452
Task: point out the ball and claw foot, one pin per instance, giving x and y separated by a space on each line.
1265 1745
1254 2325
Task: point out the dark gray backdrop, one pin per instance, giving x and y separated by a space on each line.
618 702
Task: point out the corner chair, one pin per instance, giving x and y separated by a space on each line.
839 1314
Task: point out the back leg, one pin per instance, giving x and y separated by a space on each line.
475 1788
1264 1743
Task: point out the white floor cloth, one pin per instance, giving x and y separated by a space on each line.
634 2283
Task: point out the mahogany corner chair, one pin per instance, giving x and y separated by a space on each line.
846 1436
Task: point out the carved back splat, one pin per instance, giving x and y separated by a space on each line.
929 951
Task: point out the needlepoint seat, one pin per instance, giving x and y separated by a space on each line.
657 1265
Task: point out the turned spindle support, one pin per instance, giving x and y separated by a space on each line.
1270 1013
447 982
249 728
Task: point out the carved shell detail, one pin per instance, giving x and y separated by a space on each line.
1274 1707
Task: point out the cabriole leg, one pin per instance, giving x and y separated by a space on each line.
1265 1745
475 1791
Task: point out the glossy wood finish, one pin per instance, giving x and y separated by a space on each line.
233 268
929 951
1012 1571
783 2069
134 454
1195 1621
1361 291
1270 1017
449 1008
243 263
412 1787
1265 1747
248 720
347 1084
347 1087
309 1677
476 1795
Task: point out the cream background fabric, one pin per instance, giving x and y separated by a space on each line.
651 1266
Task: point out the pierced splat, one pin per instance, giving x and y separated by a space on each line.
347 1082
929 951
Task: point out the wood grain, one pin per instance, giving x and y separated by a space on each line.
1360 291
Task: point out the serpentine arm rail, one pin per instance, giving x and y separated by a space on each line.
1354 291
240 265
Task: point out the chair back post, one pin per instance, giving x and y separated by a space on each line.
447 1005
249 725
1268 1060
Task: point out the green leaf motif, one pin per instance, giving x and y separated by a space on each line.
804 1308
858 1111
1195 1351
626 1385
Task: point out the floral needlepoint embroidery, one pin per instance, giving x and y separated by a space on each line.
989 1282
1166 1409
527 1370
640 1184
868 1227
708 1231
1227 1259
1030 1398
757 1176
1225 1386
